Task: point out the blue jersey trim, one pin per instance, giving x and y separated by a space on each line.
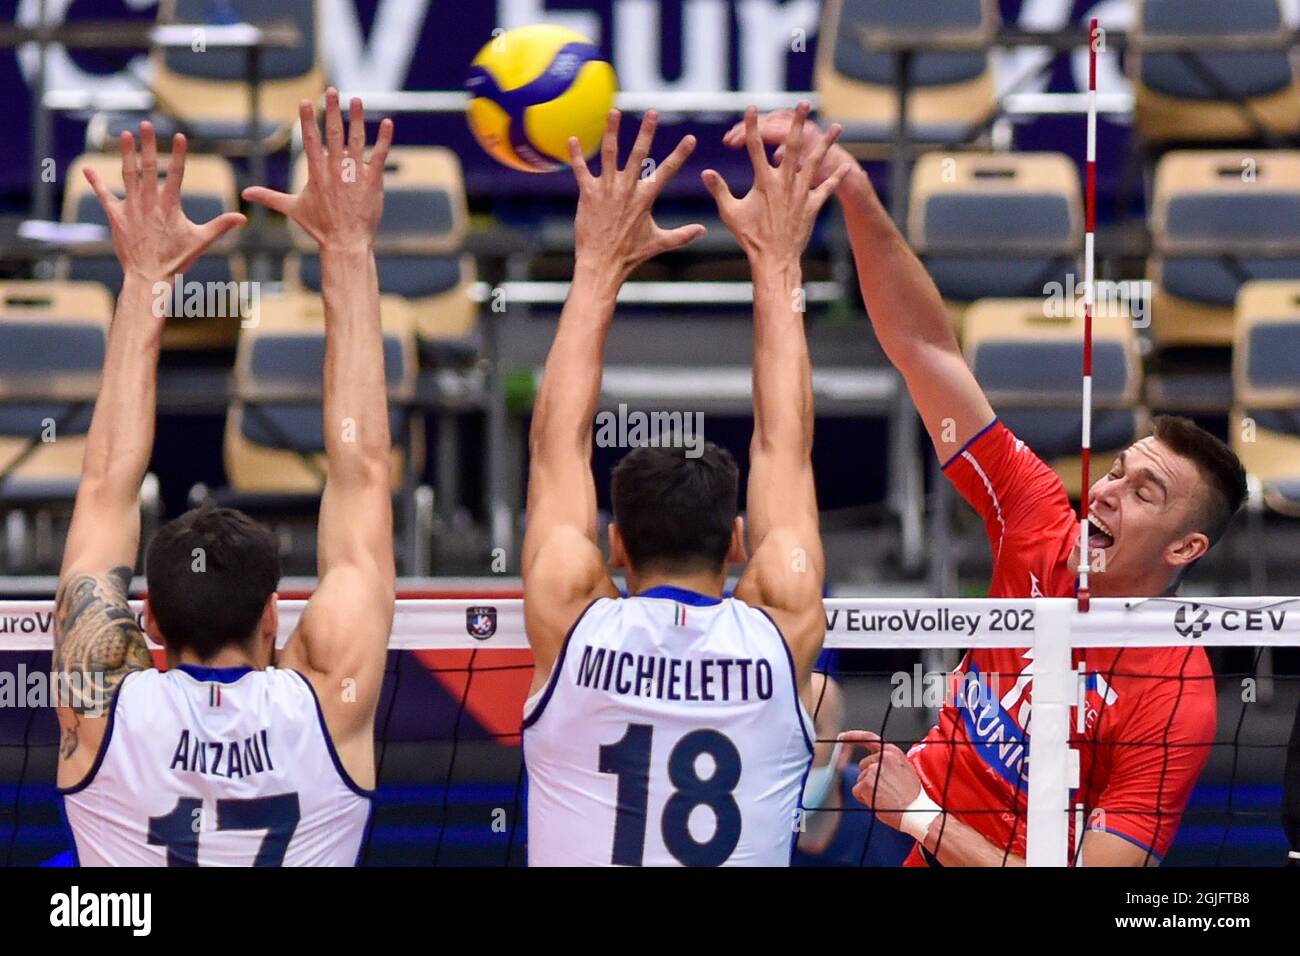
365 830
978 435
794 682
89 778
346 777
523 761
680 595
220 675
554 677
72 838
1137 843
798 716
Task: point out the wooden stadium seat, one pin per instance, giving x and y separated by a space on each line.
207 91
952 91
1206 204
996 225
209 190
1190 96
1030 366
421 235
1266 383
48 330
283 353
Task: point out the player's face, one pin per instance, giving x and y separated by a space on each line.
1140 513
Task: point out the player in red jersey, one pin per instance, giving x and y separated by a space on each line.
1150 712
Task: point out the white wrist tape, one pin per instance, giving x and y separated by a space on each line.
918 816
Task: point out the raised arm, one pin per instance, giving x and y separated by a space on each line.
772 224
903 303
96 640
342 638
614 232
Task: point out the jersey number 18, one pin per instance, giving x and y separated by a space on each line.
629 760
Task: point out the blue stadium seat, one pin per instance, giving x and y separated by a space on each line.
277 446
995 225
1266 374
952 93
1030 366
52 343
1208 208
1192 95
204 93
274 446
419 255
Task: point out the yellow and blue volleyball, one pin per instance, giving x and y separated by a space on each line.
532 88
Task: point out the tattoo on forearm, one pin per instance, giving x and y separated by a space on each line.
97 642
69 740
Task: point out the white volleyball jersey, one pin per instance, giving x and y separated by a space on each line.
669 733
217 767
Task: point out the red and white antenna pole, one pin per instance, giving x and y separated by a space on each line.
1089 253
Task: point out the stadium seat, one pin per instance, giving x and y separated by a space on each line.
420 239
48 329
52 334
1219 218
1207 96
1207 205
1030 366
274 445
952 94
209 191
204 93
269 444
994 225
1266 380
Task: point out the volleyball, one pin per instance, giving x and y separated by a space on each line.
532 88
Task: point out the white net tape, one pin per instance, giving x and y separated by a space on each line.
851 623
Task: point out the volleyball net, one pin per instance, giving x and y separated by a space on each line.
1190 701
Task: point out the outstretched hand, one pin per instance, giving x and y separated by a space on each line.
152 236
773 130
614 230
341 205
775 218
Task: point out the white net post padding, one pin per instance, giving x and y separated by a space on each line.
1051 771
1052 627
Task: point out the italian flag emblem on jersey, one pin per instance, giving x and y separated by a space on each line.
679 615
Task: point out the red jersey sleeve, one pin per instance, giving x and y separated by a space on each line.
1013 489
1161 750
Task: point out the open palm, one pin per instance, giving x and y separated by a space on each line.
776 216
615 224
152 236
343 201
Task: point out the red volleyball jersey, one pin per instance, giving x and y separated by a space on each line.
1150 712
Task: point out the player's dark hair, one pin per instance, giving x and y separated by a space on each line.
210 573
1220 469
676 513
